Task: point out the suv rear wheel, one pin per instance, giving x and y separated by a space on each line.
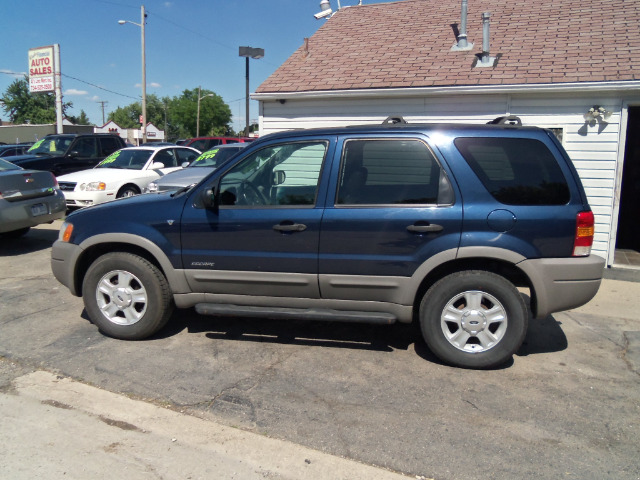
126 296
473 319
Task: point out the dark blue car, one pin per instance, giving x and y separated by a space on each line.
393 223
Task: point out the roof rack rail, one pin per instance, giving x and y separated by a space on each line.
506 120
393 119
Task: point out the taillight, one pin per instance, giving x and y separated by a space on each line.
584 234
55 181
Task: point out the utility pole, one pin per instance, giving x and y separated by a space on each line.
102 103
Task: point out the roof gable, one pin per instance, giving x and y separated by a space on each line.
408 44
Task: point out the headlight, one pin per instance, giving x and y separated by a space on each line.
93 186
65 231
152 187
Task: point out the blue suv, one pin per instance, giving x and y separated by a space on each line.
381 223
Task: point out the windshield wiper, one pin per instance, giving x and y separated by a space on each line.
183 189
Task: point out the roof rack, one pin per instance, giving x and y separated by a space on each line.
393 119
506 120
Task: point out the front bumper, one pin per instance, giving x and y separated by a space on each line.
64 257
563 283
86 199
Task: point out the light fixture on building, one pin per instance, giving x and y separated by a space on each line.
597 113
325 9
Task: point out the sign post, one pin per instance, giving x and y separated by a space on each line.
44 75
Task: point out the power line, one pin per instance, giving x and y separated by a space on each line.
97 86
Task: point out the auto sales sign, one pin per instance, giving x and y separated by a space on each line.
41 69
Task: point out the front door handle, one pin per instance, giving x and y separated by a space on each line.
290 227
425 228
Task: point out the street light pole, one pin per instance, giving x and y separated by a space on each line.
198 114
144 79
253 53
144 71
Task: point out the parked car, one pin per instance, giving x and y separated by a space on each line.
70 152
27 198
122 174
196 170
205 143
13 150
395 222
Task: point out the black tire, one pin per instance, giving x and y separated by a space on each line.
127 191
126 296
473 319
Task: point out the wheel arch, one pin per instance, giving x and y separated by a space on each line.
99 245
128 184
490 260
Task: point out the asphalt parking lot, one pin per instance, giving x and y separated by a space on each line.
567 407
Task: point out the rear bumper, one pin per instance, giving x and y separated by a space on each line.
18 215
563 283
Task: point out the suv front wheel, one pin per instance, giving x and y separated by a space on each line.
126 296
473 319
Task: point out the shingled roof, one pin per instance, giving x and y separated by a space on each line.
407 44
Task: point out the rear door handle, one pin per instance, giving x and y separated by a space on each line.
425 228
290 227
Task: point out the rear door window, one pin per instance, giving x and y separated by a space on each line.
391 172
516 171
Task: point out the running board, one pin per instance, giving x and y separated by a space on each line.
295 313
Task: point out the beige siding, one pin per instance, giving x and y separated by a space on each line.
594 149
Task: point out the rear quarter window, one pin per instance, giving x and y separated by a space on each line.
516 171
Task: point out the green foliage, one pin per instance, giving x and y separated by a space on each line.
22 106
81 119
176 115
129 116
181 113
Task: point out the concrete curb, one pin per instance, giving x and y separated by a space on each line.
54 426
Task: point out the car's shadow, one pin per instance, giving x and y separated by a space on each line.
35 240
543 336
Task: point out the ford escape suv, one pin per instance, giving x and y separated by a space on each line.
397 222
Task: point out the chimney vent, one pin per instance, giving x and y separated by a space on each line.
485 59
463 44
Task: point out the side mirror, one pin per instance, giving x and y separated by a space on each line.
279 176
157 165
209 198
185 164
74 153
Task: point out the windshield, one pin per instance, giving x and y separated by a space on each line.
53 145
129 158
214 157
4 165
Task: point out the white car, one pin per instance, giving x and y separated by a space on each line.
123 174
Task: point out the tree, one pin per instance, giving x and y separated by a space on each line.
181 113
22 106
215 115
81 119
129 115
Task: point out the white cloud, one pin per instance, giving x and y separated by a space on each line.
168 4
155 85
73 91
95 98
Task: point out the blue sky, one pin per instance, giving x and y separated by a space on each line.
188 43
